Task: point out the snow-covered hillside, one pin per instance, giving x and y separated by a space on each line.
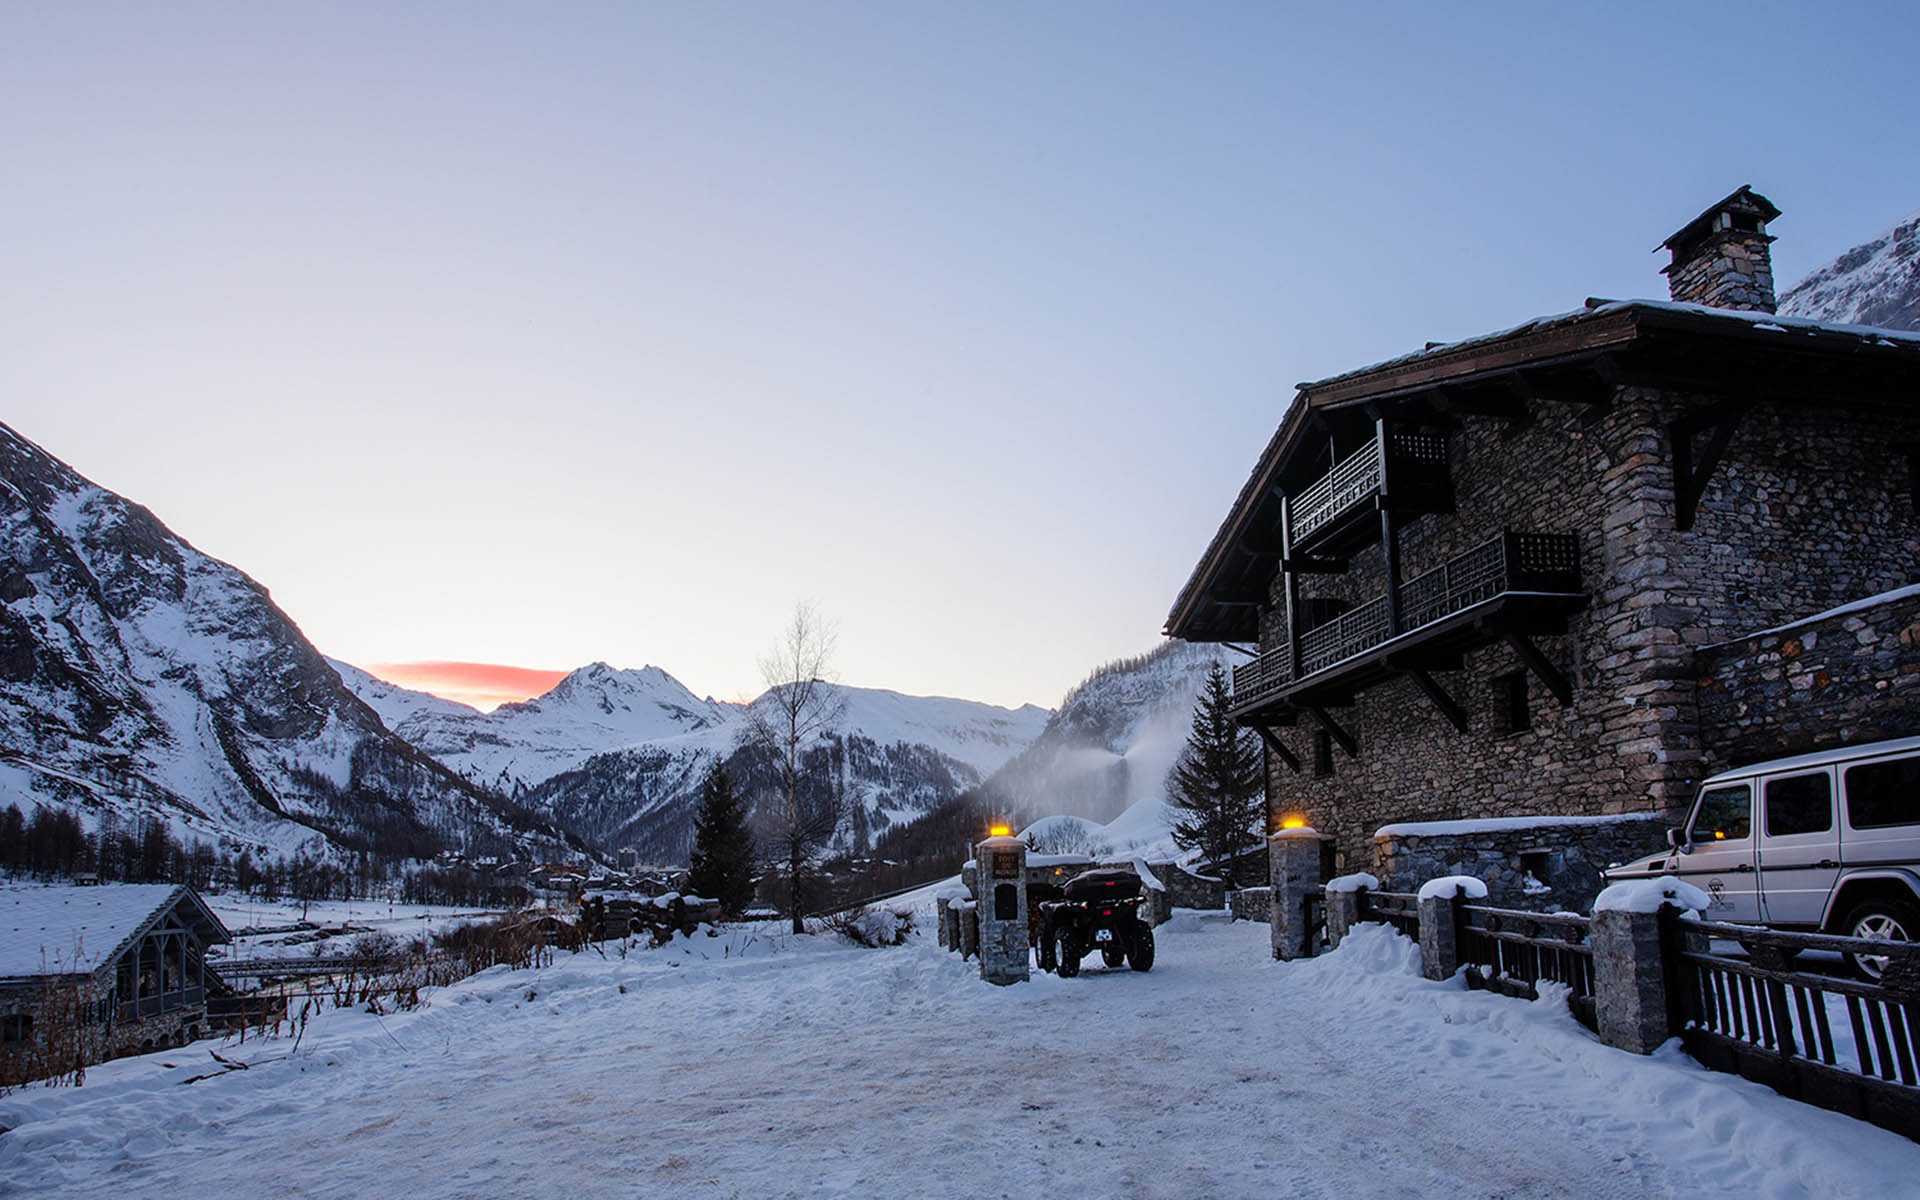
619 756
1877 283
1111 743
142 679
756 1064
891 757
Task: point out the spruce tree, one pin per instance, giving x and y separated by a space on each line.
1218 793
722 847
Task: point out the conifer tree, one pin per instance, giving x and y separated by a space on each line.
1218 793
722 847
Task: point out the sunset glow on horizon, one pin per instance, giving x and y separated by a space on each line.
485 686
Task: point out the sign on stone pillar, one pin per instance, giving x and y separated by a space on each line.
1002 904
1294 856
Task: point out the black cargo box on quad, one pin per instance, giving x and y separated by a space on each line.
1105 884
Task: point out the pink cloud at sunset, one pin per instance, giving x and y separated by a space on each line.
484 685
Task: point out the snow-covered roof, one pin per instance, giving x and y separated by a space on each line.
77 930
1500 825
1595 309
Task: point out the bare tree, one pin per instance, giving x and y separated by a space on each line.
800 707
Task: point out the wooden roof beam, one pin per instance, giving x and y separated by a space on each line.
1278 748
1341 737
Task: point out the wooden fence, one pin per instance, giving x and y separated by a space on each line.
1842 1044
1511 952
1398 909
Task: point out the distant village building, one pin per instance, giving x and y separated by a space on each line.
113 968
1568 569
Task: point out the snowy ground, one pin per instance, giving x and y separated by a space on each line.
754 1065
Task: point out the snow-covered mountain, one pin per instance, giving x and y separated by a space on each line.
1877 283
591 711
140 678
1111 743
619 756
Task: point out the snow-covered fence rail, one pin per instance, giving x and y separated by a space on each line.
1398 909
1842 1044
1511 952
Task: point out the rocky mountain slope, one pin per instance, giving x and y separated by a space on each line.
619 756
1877 283
142 679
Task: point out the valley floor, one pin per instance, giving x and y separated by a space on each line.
753 1064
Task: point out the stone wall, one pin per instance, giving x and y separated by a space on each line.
1809 509
1251 904
1188 890
1553 866
1841 679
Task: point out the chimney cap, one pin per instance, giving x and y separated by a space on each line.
1742 201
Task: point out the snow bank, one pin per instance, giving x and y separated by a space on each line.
1648 895
1359 881
1448 886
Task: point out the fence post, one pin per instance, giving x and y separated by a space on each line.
1343 913
1440 935
1630 980
1001 863
1294 856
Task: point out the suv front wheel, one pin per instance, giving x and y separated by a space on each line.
1885 920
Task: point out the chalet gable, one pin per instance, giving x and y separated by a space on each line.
65 932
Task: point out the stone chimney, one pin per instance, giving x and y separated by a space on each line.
1720 258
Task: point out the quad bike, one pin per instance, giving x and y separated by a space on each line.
1100 910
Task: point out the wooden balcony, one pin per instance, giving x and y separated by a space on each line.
1523 579
1406 466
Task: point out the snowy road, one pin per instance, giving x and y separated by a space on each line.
813 1069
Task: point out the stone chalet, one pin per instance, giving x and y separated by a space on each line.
1568 569
122 966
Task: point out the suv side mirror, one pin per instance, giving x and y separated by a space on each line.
1677 839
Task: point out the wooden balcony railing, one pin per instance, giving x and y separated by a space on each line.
1358 478
1512 563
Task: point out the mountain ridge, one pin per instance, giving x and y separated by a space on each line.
141 679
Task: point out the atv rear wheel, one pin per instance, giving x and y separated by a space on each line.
1066 953
1140 953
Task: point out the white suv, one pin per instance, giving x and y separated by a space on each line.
1827 841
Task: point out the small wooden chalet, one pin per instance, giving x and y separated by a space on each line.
1497 577
118 967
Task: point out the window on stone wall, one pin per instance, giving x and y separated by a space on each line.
1510 711
15 1027
1322 752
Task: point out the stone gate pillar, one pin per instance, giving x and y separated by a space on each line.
1294 855
1002 876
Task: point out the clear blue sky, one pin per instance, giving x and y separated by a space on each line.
539 334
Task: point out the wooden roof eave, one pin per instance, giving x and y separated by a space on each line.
1471 362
